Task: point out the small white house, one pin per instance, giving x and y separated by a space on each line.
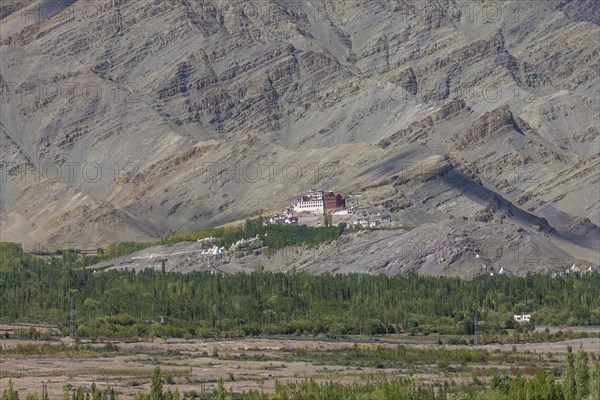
522 317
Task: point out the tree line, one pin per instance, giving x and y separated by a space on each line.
126 304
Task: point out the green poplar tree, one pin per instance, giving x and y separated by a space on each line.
96 395
156 387
582 375
570 384
220 390
9 393
597 382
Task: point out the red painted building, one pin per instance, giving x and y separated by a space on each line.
333 202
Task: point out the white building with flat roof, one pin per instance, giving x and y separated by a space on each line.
311 202
522 317
312 206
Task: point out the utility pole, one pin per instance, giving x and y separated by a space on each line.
73 327
476 329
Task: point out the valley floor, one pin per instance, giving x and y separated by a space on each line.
195 366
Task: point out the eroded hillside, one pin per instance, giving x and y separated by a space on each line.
123 120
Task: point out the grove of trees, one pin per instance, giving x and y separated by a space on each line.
126 304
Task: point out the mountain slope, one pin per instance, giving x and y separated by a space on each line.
160 116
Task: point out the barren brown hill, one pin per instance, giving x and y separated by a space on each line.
473 122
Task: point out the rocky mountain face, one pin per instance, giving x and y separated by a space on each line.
474 122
